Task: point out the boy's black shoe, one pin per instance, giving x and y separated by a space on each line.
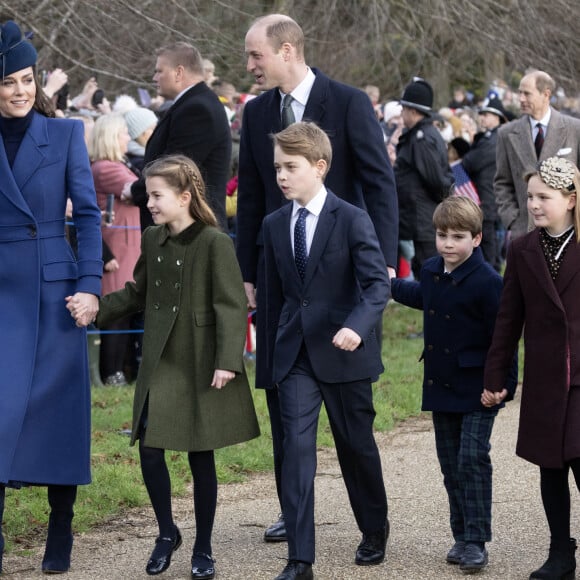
474 558
456 553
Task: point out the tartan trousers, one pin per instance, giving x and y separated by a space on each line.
462 442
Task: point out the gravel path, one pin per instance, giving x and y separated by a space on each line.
417 546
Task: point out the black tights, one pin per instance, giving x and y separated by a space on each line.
158 484
556 498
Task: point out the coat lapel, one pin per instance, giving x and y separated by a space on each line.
31 151
30 156
569 268
536 262
522 144
316 106
556 137
282 245
326 222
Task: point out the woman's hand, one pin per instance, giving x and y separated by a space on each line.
221 378
83 307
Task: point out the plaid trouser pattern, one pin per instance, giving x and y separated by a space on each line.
462 442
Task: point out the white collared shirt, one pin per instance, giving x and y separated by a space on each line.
543 121
300 95
314 207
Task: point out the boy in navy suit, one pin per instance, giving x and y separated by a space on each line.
459 294
326 288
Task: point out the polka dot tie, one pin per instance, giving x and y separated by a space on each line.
300 253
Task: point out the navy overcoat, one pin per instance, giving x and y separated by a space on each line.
459 312
44 385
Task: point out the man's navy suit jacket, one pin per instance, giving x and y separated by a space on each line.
346 284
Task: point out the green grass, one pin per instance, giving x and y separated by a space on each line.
117 483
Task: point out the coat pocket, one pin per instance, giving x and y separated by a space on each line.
60 271
204 318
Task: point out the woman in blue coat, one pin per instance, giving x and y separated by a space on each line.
44 386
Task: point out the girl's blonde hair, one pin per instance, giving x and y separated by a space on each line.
104 141
560 174
182 174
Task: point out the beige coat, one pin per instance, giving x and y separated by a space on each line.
191 290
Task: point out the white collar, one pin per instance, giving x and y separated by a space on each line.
302 91
314 206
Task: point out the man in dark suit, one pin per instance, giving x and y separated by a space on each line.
325 291
361 173
541 132
195 125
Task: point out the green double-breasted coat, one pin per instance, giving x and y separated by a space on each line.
191 290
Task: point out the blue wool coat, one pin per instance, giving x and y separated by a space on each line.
44 385
459 311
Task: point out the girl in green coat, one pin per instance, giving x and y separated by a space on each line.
192 393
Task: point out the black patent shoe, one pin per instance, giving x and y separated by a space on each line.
161 555
202 566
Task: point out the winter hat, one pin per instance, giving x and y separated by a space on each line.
494 106
139 120
391 110
16 53
418 95
124 103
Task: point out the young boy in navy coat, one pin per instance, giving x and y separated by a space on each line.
326 288
459 294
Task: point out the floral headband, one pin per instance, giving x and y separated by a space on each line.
558 173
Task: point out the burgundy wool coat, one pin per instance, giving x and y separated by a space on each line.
549 313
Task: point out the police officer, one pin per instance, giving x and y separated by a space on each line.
422 172
479 162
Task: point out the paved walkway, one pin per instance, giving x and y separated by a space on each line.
419 538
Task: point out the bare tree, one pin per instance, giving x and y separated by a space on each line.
383 42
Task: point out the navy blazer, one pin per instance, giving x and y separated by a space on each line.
459 312
360 172
197 127
345 285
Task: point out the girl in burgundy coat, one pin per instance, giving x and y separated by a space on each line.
540 295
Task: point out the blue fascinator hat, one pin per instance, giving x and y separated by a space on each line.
16 53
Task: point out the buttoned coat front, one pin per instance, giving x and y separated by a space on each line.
516 156
549 313
45 400
190 287
459 311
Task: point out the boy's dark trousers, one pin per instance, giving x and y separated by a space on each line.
462 441
351 414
